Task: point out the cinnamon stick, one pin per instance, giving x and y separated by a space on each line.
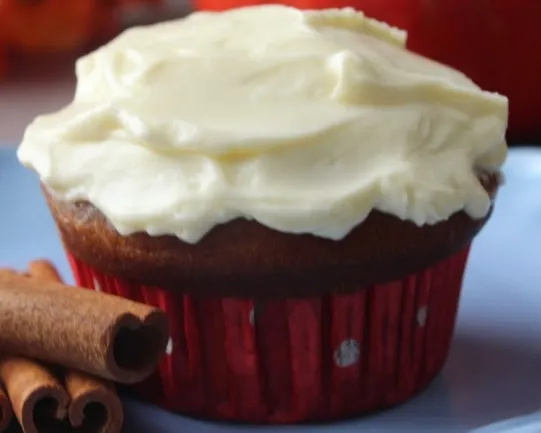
44 270
95 407
5 411
38 399
100 334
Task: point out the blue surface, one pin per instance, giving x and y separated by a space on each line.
494 370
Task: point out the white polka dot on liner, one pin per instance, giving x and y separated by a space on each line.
169 347
347 353
97 286
422 314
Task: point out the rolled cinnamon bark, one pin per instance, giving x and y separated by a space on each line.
5 411
95 407
38 399
44 270
103 335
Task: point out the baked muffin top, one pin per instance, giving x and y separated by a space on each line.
304 121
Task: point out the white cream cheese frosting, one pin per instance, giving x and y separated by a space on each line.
302 120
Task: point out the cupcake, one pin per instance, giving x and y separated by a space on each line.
295 189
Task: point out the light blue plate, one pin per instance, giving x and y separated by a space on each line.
494 370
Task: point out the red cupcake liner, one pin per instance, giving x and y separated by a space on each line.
295 360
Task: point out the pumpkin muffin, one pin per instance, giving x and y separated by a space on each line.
296 190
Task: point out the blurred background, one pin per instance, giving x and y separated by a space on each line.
496 42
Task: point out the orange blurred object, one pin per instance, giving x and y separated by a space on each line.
48 25
3 61
138 2
494 42
56 26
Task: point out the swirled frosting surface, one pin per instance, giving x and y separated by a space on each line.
302 120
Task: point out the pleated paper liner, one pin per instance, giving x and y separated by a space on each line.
295 360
